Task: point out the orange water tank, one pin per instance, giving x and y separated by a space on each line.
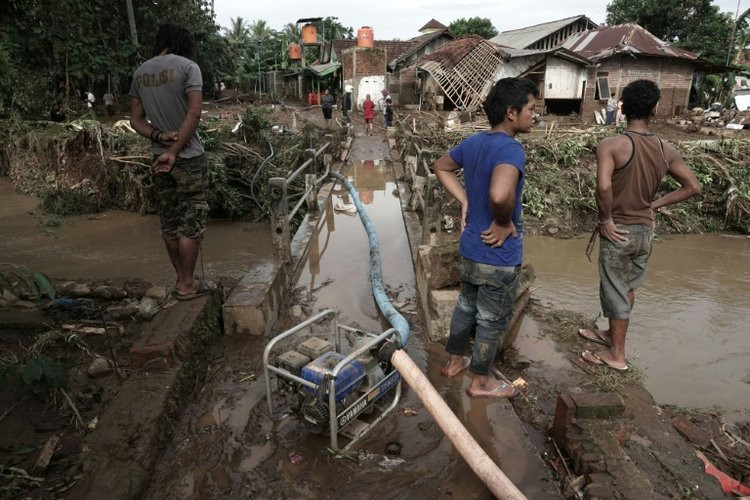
309 33
295 52
365 37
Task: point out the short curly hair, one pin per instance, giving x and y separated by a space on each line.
639 98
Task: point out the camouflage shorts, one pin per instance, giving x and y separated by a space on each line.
182 198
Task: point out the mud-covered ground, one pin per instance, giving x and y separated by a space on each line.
61 362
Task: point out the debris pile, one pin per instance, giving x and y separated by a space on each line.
559 194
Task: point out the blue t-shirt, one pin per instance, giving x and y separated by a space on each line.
479 155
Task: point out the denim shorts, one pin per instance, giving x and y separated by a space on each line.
484 307
622 268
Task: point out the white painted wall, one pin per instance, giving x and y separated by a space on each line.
369 85
563 79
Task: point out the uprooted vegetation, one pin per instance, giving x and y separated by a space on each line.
84 166
561 179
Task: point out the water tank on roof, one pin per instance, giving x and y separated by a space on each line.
365 37
295 52
309 33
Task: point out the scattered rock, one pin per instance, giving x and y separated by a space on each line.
553 230
148 308
80 290
123 311
136 288
8 296
393 448
158 293
107 292
100 367
296 311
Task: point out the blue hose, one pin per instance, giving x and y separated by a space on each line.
395 318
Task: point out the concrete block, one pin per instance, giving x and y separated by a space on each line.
440 307
253 306
564 413
598 404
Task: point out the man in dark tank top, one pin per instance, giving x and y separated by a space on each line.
630 168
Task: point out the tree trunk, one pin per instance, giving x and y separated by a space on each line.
131 21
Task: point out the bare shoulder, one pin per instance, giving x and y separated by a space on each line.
613 144
671 153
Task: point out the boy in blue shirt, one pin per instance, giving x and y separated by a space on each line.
491 231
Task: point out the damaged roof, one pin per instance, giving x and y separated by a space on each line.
523 37
627 38
454 51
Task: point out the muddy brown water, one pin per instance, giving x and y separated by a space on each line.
688 333
689 330
114 244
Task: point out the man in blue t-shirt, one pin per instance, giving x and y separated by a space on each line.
491 231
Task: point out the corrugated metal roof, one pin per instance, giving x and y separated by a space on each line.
523 37
622 39
557 51
323 69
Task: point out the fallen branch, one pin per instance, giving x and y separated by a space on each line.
73 407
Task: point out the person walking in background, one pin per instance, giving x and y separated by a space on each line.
326 103
368 112
346 104
168 90
630 168
491 245
109 103
388 113
90 103
611 110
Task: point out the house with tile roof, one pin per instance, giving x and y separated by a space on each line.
623 53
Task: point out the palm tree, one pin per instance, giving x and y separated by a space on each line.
238 35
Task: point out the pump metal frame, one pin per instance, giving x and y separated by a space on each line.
348 414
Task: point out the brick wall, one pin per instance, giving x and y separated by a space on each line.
673 76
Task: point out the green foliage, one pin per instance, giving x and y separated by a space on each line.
695 25
46 43
64 201
477 26
223 199
37 375
26 280
256 124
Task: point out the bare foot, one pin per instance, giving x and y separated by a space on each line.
455 365
492 388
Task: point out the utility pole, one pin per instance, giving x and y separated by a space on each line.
734 32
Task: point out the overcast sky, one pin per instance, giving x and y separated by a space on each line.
400 19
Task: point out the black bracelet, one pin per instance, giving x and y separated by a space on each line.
153 135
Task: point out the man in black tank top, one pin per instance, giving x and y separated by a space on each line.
629 171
